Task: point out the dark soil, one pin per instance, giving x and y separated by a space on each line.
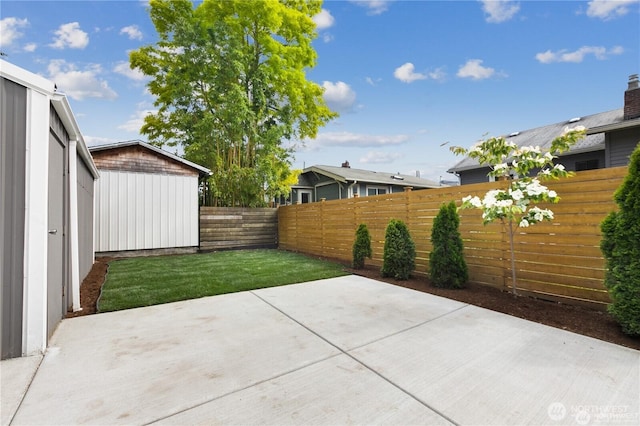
585 321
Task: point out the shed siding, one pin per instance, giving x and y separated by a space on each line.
138 159
85 184
140 211
13 125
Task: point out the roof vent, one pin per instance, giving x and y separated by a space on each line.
397 177
575 119
513 134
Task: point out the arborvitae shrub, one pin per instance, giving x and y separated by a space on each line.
361 246
399 258
621 248
447 267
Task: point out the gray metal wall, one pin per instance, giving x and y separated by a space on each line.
58 131
13 119
85 218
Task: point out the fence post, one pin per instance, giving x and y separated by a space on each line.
407 210
322 226
506 257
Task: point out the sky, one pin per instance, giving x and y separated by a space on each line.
408 78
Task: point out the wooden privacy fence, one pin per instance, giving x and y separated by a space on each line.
233 228
558 260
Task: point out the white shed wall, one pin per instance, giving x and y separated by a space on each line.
139 211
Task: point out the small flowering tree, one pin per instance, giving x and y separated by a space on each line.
524 168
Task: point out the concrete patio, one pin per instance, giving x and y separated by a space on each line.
347 350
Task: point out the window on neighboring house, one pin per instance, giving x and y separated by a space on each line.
304 196
587 165
376 190
512 176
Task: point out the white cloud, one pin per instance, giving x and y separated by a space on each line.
326 37
324 20
124 69
375 7
70 35
338 96
132 31
136 121
350 140
98 140
473 69
80 84
372 81
577 56
609 9
438 74
379 157
10 30
499 10
406 73
30 47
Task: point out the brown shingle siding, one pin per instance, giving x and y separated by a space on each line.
140 160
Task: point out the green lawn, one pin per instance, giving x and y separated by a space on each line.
146 281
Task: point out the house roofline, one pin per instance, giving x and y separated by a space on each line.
371 179
63 109
315 169
203 170
614 126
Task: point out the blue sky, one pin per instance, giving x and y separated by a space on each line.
409 78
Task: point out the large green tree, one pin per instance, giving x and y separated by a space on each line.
229 77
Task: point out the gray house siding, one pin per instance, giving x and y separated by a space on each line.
570 162
329 191
620 144
474 176
13 105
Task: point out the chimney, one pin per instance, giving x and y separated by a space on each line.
346 165
632 98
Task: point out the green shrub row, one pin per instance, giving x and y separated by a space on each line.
446 261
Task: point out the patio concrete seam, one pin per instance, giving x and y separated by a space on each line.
409 328
26 391
259 382
395 385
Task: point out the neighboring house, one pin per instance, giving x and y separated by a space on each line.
46 210
611 137
146 199
333 183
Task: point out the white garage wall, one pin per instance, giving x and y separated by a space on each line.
138 211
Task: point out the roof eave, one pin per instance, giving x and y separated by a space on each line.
63 109
614 126
203 170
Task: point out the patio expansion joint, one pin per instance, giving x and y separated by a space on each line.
26 391
371 369
249 386
420 324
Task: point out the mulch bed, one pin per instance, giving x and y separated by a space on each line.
588 322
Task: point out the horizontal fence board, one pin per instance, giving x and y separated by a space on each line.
558 260
229 227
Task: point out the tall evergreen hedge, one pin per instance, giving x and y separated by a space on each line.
621 248
361 246
399 257
447 267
